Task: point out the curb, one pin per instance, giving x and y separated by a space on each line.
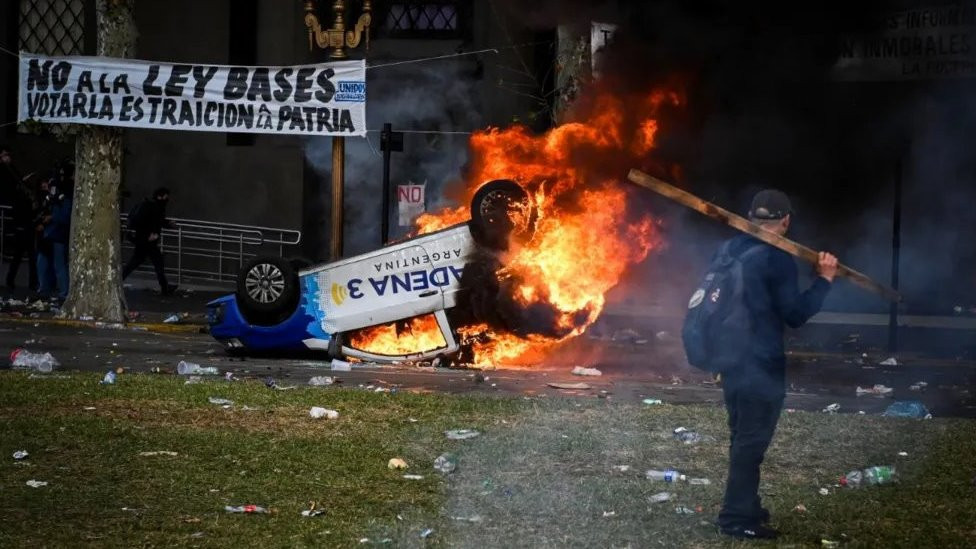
155 327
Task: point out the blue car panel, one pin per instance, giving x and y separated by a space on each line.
228 326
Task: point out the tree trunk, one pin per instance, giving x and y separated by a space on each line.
95 288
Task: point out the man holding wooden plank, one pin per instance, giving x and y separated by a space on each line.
735 327
755 387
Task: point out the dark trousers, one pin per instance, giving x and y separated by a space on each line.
753 400
143 250
22 245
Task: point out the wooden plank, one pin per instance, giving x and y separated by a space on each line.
733 220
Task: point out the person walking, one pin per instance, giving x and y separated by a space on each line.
24 239
754 388
146 222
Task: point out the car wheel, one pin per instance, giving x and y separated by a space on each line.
267 290
502 210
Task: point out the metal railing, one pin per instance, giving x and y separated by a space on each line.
200 250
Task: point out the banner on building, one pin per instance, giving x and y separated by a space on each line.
923 42
322 99
411 199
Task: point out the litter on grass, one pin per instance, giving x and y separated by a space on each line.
321 380
414 477
832 409
396 463
20 454
319 412
221 402
247 509
652 401
890 361
461 434
36 483
158 453
581 371
661 497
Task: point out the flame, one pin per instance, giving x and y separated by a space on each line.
416 335
584 238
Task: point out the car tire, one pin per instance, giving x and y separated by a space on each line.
501 210
267 290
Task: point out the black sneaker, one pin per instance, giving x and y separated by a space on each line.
751 532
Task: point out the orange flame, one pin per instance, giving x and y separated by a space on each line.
417 335
584 238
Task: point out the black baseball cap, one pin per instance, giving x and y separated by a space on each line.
770 204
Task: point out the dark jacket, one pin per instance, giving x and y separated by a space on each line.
148 218
23 208
59 228
772 294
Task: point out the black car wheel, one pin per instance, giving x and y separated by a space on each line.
267 290
502 210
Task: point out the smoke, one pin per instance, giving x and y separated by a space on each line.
438 96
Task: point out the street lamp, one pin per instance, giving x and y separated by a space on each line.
337 39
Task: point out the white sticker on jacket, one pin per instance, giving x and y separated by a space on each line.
697 298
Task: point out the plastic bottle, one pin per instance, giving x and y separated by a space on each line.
699 481
109 378
667 476
185 368
245 509
879 474
445 463
22 358
872 476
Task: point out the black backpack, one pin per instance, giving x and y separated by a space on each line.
717 331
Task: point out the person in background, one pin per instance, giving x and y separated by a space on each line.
52 254
146 222
23 242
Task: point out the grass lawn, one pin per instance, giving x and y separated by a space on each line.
540 475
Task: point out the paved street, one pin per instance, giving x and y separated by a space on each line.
631 371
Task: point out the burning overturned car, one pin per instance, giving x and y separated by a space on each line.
279 306
524 265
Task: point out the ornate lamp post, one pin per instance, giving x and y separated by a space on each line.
337 39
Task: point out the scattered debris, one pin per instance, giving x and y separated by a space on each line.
682 510
221 402
24 359
249 509
88 408
158 453
621 468
414 477
903 454
109 378
878 389
652 401
824 492
474 518
185 368
626 334
36 483
445 463
322 380
829 544
890 361
581 371
699 482
192 380
609 514
688 437
341 365
907 408
172 319
661 497
319 412
397 463
313 510
426 533
20 454
800 508
571 386
461 434
918 386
